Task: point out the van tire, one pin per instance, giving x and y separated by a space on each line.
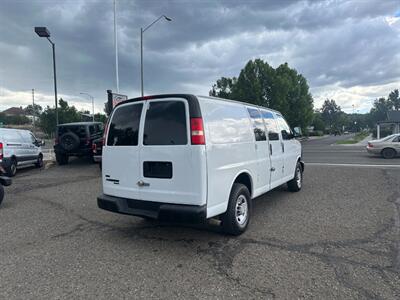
296 183
1 193
39 162
239 199
12 168
388 153
62 159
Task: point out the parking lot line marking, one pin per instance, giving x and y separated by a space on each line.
352 165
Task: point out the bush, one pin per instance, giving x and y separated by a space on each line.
316 133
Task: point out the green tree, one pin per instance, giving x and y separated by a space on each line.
14 120
66 114
282 89
332 114
33 110
379 110
318 122
394 99
223 87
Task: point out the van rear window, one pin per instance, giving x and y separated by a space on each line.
124 126
165 124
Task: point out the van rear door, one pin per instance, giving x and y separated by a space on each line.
169 168
121 155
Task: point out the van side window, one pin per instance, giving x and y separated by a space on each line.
258 125
124 126
165 124
270 123
283 127
32 138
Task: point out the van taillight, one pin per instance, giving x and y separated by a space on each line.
94 148
197 131
1 150
370 145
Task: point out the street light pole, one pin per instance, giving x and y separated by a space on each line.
116 45
44 32
92 98
33 107
141 60
141 47
55 77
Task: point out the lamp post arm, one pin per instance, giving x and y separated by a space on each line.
153 23
50 41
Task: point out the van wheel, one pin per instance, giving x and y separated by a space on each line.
295 184
12 169
1 193
39 163
237 216
388 153
62 159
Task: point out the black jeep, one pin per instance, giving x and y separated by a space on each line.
75 139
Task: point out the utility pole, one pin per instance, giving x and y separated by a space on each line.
33 107
116 45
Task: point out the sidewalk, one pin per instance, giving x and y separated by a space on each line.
363 142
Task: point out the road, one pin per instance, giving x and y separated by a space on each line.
326 151
338 238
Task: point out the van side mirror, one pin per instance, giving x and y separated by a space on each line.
297 132
287 135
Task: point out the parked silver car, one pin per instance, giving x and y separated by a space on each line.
388 147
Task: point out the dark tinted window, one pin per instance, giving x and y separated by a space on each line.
283 127
396 139
258 125
124 126
92 129
165 124
270 123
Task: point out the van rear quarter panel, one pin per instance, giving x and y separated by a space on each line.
230 149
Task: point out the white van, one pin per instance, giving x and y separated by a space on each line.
18 148
188 157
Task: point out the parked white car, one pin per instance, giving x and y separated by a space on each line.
191 157
19 148
388 147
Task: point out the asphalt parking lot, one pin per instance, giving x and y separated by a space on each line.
339 238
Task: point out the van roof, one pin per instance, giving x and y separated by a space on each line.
236 101
12 129
79 123
191 96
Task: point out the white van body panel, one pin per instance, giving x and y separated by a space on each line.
202 175
121 165
185 186
125 164
230 149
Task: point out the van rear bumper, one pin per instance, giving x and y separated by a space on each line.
154 210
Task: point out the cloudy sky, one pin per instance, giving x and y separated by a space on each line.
347 50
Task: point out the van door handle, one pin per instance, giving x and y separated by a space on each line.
272 169
142 183
270 149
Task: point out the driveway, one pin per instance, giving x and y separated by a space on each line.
336 239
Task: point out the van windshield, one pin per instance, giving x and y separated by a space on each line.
165 124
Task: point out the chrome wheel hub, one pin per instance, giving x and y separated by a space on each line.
298 177
242 209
